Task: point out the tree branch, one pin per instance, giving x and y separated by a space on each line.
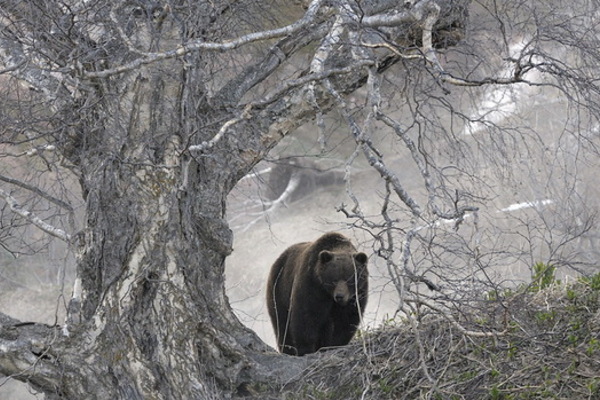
236 88
17 62
195 45
26 354
37 191
207 145
35 220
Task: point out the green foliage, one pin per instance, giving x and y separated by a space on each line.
385 387
512 351
593 346
545 316
592 281
497 394
594 388
495 295
543 276
556 344
585 294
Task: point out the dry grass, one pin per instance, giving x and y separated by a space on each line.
549 349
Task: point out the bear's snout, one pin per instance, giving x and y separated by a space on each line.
341 293
340 298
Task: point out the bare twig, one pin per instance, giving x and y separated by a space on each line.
284 88
424 170
197 45
372 154
37 191
453 320
272 206
35 220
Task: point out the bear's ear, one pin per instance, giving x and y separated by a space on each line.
360 258
325 256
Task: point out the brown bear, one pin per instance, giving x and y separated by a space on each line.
316 294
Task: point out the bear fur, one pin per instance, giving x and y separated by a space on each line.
316 294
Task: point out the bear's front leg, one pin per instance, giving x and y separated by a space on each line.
345 323
308 326
306 337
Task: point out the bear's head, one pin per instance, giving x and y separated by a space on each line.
339 272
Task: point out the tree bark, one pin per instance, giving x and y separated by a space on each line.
157 153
